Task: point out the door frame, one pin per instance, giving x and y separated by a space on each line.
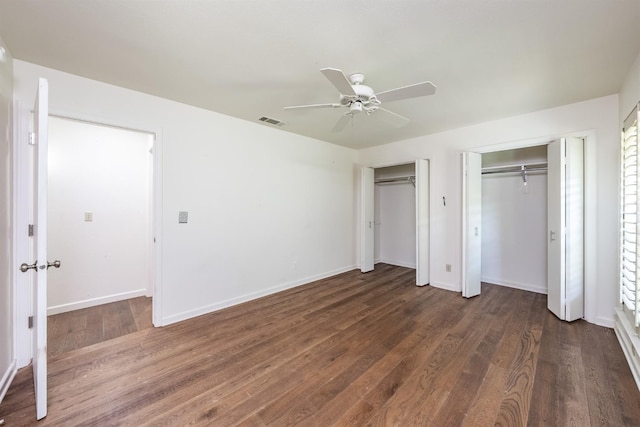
590 208
430 203
22 284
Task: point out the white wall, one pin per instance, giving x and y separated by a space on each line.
395 218
105 171
514 229
396 224
7 356
267 209
514 221
596 118
630 91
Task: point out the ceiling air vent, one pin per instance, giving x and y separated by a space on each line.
272 121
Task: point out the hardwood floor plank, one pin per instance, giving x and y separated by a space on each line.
484 407
514 409
574 404
544 408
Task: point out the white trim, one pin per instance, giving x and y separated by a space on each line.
446 286
522 286
255 295
629 342
7 377
397 263
605 322
590 227
156 218
21 247
78 305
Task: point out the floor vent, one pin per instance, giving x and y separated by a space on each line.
272 121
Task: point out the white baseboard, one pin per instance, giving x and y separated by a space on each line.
7 377
603 321
522 286
397 263
63 308
445 286
629 342
239 300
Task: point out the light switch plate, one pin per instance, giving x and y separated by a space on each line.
183 217
88 216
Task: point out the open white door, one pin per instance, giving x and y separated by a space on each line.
555 225
565 222
471 222
40 119
422 222
367 241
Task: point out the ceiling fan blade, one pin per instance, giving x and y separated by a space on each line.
411 91
339 80
293 107
392 118
342 122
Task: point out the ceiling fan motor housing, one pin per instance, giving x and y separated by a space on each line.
363 94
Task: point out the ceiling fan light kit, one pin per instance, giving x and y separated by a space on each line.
359 97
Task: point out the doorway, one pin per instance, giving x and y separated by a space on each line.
514 218
394 220
563 238
99 214
395 215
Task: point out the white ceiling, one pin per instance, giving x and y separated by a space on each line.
250 58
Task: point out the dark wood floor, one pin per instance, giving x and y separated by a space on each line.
81 328
350 350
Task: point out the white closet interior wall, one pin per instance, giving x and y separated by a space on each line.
395 217
514 222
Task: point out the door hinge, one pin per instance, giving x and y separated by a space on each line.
32 138
30 322
31 227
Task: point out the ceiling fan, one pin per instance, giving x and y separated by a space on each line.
357 97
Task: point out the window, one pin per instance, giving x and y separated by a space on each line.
629 241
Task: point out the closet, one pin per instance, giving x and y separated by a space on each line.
523 222
394 217
514 218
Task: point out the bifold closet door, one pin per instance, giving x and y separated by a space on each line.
422 222
565 222
471 222
367 237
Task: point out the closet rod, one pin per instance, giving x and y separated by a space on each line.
532 167
409 178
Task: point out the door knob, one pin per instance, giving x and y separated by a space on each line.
55 264
24 267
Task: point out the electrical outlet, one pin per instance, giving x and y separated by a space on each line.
448 268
